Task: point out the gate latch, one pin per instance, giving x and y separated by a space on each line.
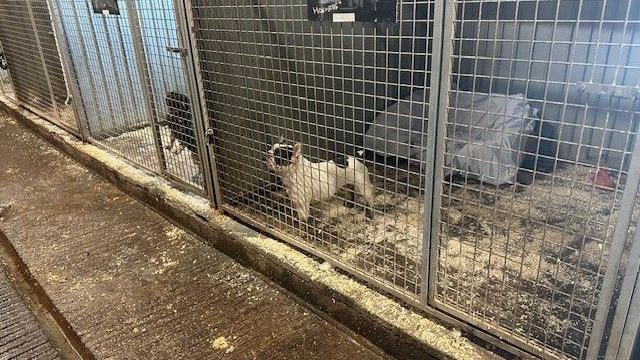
209 136
177 50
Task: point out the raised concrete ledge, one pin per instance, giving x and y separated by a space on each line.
399 331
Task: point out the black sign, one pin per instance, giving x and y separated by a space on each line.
106 7
352 10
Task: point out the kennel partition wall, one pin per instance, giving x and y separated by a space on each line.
525 262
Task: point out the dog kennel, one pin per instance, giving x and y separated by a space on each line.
130 61
499 137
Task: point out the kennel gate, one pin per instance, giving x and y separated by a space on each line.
549 249
35 57
135 72
549 87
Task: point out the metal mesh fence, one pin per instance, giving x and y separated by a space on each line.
532 102
321 136
32 55
133 84
160 33
346 93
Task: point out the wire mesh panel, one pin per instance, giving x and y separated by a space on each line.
133 84
31 51
160 33
541 119
320 128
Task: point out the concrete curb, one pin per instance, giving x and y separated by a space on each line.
397 330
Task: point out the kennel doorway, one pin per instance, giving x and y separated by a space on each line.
134 79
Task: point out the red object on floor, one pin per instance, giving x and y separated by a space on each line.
602 179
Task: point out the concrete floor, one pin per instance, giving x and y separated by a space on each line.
21 336
132 285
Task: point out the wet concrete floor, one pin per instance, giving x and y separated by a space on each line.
132 285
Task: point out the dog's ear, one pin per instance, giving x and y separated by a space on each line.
281 140
297 153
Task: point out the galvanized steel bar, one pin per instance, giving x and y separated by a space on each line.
626 314
629 197
189 62
444 14
70 71
630 339
213 186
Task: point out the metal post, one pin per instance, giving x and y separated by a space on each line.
114 70
444 16
44 64
615 254
197 110
624 309
103 72
85 61
198 97
631 332
71 77
147 86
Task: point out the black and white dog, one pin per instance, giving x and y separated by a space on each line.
180 121
306 181
3 62
182 128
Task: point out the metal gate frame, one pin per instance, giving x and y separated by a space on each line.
210 135
624 332
194 82
444 18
